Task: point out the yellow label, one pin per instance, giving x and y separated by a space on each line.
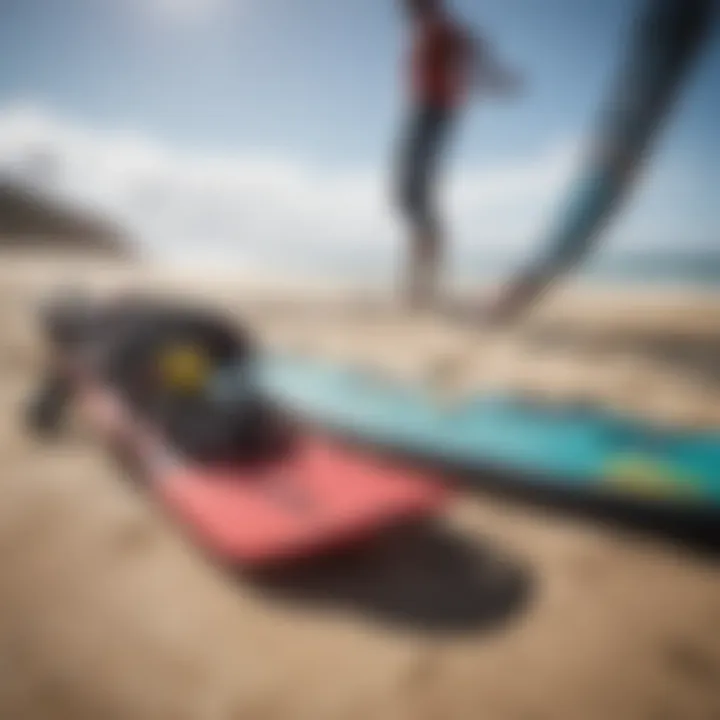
184 367
645 476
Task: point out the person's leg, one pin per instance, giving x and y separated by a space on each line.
419 186
424 264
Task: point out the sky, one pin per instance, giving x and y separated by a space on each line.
264 131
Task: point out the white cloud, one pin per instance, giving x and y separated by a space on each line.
260 209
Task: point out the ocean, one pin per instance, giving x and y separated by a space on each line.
686 268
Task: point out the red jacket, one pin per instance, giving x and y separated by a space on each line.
440 63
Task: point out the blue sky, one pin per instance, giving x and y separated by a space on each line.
312 86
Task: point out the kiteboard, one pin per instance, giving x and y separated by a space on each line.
578 448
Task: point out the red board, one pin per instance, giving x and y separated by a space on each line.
317 497
320 497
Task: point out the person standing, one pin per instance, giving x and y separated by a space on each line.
446 64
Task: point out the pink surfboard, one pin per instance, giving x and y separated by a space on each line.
317 497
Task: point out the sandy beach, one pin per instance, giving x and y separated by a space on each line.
507 612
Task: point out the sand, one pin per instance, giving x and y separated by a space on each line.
507 612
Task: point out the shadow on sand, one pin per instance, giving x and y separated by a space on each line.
694 529
427 579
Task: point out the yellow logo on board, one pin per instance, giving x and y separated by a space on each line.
184 367
645 476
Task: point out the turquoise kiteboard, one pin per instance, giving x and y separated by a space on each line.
570 447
